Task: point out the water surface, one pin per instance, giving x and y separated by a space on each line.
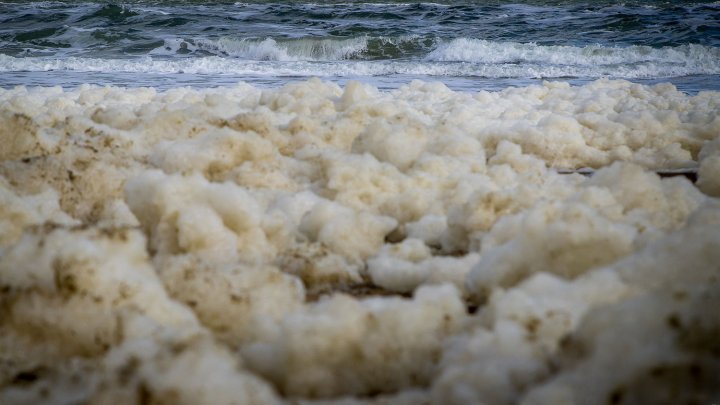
467 45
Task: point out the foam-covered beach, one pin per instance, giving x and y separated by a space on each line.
321 244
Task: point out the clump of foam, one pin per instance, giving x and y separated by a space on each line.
170 369
18 212
189 215
353 235
668 349
518 336
709 157
238 244
607 217
345 346
404 266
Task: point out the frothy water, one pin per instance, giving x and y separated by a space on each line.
463 44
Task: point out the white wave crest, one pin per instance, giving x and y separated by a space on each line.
701 58
269 49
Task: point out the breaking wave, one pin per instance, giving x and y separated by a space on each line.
298 49
694 58
578 63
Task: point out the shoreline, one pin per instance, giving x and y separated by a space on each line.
691 85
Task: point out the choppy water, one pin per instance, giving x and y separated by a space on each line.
467 45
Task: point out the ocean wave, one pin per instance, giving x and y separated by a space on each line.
267 49
214 65
704 59
699 58
299 49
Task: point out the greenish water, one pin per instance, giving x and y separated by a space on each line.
467 45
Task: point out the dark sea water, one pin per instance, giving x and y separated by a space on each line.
467 45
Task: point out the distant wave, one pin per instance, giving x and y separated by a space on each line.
536 60
299 49
267 49
347 30
696 58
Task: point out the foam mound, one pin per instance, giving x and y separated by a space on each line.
315 244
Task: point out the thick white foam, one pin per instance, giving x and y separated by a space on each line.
215 245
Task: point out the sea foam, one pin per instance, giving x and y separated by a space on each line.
313 242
